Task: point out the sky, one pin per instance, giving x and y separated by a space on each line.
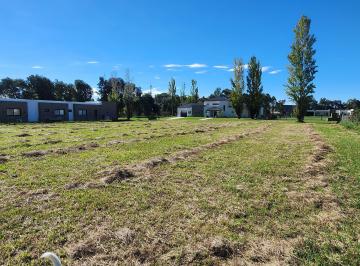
184 39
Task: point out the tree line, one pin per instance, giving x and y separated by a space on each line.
41 88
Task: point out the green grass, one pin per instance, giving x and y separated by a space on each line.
237 191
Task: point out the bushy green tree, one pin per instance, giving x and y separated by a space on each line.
302 68
40 87
12 88
254 87
83 91
237 84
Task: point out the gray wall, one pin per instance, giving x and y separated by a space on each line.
46 112
4 118
105 111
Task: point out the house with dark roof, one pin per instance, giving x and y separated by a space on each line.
190 109
23 110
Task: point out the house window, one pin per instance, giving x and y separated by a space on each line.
224 108
215 104
13 112
82 112
59 112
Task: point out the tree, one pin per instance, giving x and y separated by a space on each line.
216 93
183 97
254 87
237 84
40 88
147 102
83 91
302 68
12 88
105 88
172 94
269 104
128 95
194 93
69 92
353 104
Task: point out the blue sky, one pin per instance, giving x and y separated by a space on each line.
186 39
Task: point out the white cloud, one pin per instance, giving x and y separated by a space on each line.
154 91
172 65
221 67
156 77
194 65
230 70
151 66
265 68
173 69
37 67
277 71
201 72
93 62
246 66
197 65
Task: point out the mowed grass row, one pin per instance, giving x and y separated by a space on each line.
16 139
22 180
179 205
237 192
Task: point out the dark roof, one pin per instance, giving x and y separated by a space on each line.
220 98
188 105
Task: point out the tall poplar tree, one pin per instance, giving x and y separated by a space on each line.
254 87
302 68
172 94
237 90
194 93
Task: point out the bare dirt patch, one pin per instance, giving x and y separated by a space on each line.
4 158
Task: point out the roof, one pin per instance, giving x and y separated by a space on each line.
190 105
220 98
47 101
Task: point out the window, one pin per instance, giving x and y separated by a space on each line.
46 110
82 112
59 112
215 104
224 108
13 112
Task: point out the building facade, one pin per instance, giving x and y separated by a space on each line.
191 109
22 110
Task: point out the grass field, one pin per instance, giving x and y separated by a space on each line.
175 192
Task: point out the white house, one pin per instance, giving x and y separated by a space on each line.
221 107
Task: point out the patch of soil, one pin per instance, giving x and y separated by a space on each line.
4 158
94 244
23 135
220 247
38 153
115 174
55 141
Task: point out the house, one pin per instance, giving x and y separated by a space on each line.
221 107
22 110
191 109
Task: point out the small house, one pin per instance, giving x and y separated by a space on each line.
190 109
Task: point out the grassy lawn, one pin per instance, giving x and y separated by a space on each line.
186 191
